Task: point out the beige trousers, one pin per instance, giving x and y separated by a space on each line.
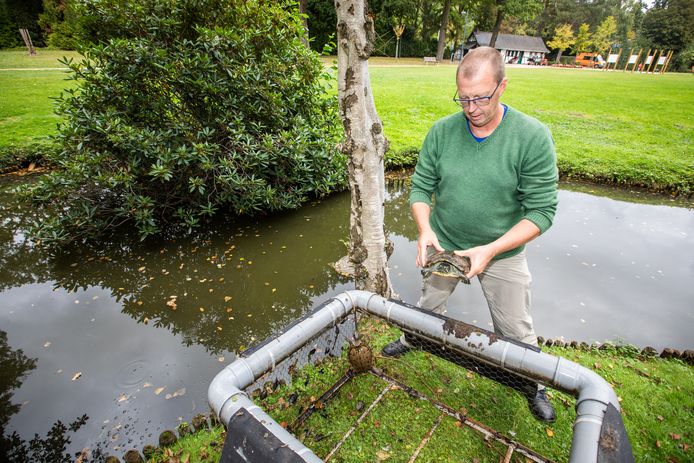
506 286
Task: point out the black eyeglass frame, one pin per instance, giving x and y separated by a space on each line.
466 101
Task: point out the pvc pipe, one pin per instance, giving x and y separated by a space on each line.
593 392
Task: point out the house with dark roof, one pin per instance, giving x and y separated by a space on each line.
516 49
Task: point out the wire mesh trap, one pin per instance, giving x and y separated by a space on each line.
346 402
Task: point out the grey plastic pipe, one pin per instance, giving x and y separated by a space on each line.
594 394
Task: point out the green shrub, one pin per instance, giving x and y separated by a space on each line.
402 158
198 106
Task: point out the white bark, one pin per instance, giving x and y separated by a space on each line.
365 145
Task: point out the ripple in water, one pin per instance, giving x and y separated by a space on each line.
132 373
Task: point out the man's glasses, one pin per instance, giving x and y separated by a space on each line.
480 101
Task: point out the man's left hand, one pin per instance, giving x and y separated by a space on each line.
479 256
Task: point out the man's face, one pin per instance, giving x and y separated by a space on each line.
481 84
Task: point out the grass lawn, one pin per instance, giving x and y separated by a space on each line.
656 398
613 127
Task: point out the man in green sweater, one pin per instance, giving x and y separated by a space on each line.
485 185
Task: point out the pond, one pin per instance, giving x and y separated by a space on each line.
130 334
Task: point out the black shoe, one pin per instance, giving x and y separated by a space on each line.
395 349
541 407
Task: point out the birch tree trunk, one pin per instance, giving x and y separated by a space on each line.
365 146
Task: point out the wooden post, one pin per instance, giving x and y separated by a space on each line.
655 64
627 65
27 41
663 70
650 66
607 60
637 60
645 59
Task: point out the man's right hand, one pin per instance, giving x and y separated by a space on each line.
426 238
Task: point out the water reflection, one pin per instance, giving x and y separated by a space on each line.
131 334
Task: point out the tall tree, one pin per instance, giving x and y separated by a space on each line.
583 40
520 9
563 39
669 25
365 146
442 31
602 39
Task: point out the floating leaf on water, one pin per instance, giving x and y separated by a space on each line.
147 385
59 371
77 376
158 390
141 269
274 289
146 320
47 344
122 398
77 301
229 309
219 328
221 279
139 302
202 309
220 359
227 298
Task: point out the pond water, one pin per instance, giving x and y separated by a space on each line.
130 334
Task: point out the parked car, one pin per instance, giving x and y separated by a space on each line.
591 60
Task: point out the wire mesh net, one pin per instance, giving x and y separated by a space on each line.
430 404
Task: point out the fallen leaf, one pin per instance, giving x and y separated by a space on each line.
122 398
660 418
381 455
549 432
458 424
227 298
158 390
77 376
657 444
675 436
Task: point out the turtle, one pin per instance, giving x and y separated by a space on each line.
448 264
361 357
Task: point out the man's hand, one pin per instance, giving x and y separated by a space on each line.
480 256
426 238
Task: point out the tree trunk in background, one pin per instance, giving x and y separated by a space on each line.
365 145
559 55
303 9
497 24
442 30
543 19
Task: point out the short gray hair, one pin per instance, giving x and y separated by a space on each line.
480 57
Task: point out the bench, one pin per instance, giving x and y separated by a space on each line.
430 60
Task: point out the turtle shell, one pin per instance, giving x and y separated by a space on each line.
360 357
448 264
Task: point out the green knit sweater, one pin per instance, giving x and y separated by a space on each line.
482 189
